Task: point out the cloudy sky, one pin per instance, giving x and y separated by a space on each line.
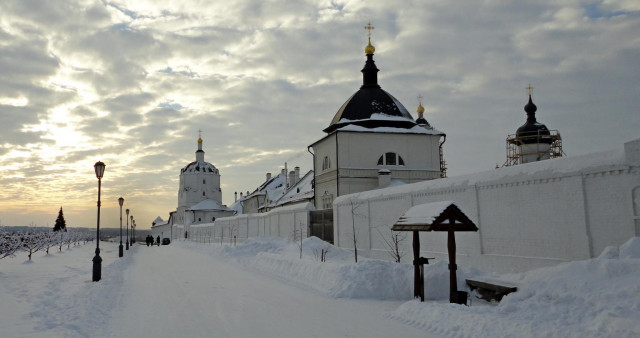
130 83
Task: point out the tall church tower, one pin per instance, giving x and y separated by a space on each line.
372 142
199 181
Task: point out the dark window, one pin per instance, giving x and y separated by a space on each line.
213 219
203 193
390 158
199 219
326 163
204 182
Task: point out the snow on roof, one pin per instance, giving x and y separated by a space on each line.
158 221
208 204
302 190
273 188
237 206
414 130
421 213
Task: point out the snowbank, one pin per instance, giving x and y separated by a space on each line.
592 298
339 276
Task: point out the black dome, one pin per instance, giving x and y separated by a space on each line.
532 131
371 107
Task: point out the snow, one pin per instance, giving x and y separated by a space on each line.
413 130
208 204
424 213
262 288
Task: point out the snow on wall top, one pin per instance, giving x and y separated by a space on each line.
564 166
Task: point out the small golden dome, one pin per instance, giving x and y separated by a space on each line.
420 109
199 140
369 49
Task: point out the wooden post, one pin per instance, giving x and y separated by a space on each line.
451 246
417 288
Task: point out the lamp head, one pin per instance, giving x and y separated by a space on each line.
99 168
121 201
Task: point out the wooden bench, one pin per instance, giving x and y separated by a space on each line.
491 289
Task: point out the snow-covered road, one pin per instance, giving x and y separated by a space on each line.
170 291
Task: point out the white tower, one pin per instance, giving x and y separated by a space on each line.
199 181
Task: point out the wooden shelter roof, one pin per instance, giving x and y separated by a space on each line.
435 216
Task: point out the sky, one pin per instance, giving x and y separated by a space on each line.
131 83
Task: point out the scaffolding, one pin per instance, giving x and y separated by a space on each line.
514 146
443 165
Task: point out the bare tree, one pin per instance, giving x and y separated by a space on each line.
354 213
298 233
322 254
9 244
33 242
393 241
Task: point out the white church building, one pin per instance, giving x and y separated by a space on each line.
199 199
373 141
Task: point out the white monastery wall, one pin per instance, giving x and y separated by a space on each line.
281 222
530 215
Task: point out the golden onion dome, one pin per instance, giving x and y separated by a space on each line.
369 49
420 109
199 140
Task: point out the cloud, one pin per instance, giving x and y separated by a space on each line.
131 83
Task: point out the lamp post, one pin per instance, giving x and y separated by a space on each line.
133 238
129 238
128 229
97 261
120 251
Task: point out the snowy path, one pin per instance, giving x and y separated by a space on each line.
170 291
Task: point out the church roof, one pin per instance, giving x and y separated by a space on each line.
533 131
197 166
367 105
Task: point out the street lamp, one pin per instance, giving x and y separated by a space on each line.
97 261
129 238
121 202
128 229
133 238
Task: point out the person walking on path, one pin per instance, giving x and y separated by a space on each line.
157 240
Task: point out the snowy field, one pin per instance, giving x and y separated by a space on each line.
262 288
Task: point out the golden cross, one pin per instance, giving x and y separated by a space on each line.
529 89
420 99
369 28
199 133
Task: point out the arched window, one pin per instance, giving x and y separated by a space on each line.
326 163
204 182
390 159
213 219
203 193
199 219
